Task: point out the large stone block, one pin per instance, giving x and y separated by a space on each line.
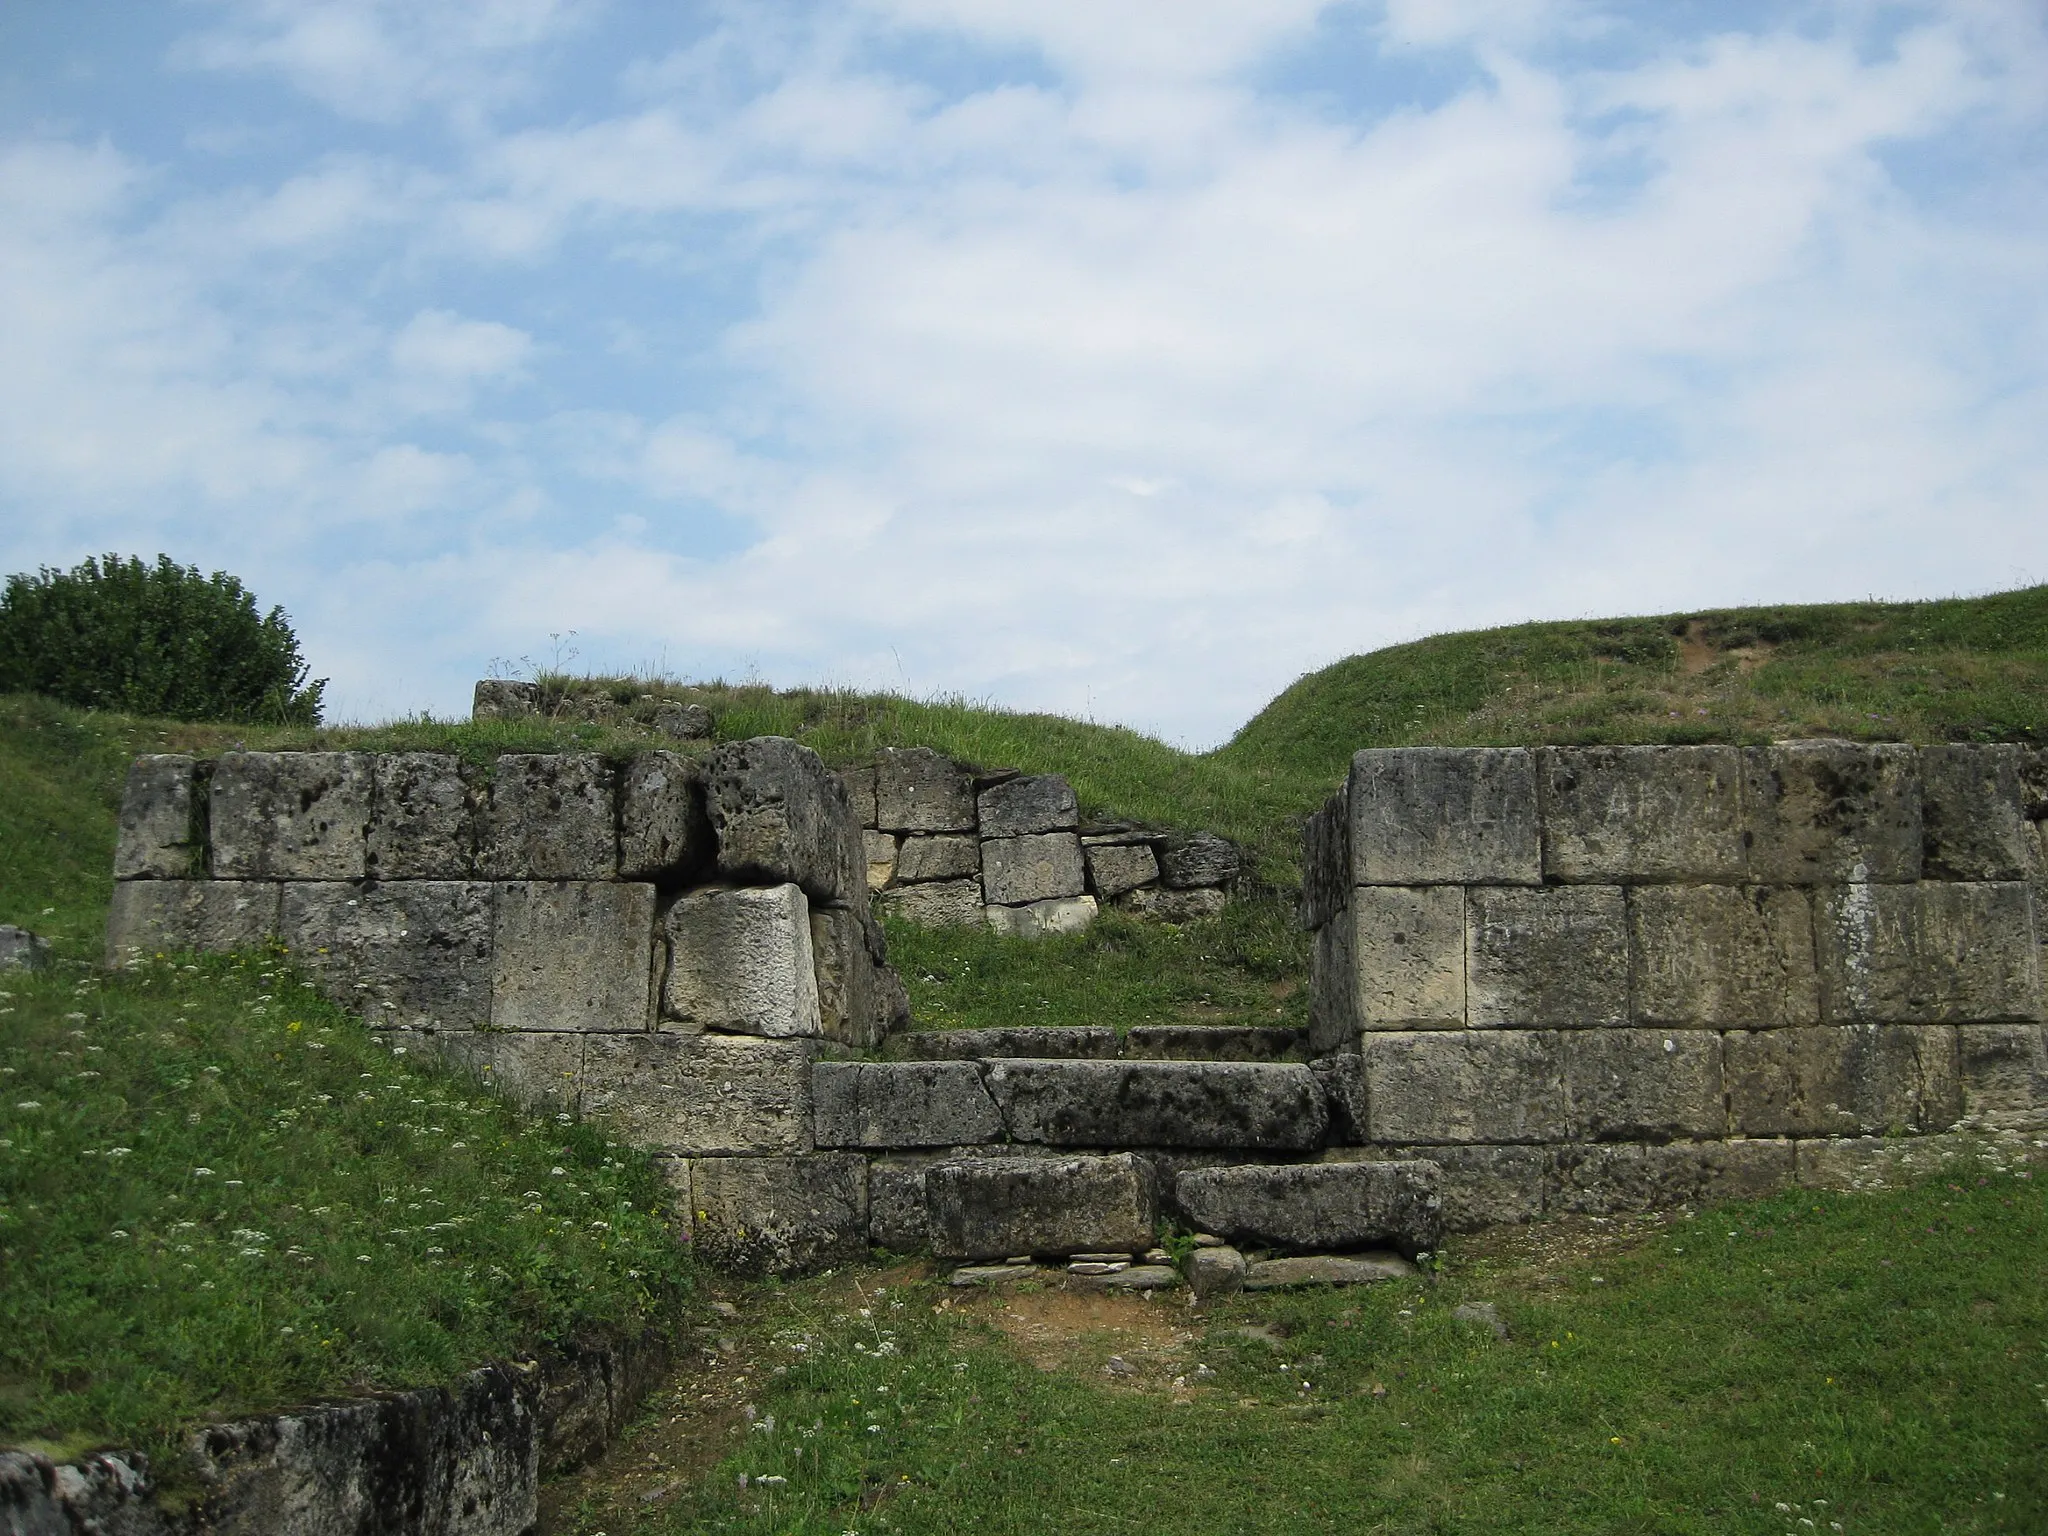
1212 1042
504 698
1555 956
1342 1077
289 815
879 848
1702 956
919 790
780 1215
940 904
700 1095
572 955
1623 1176
852 1007
541 1072
996 1207
741 961
551 817
1114 868
1945 953
1444 816
1823 811
1477 1186
1167 906
896 1219
896 1104
407 952
1270 1105
2004 1075
1882 1162
1333 998
781 816
860 792
1040 867
1037 919
1472 1086
664 828
150 917
942 857
1643 1084
1195 859
1325 863
1317 1205
1974 821
1078 1042
1837 1081
161 837
423 820
1408 949
1626 814
1038 802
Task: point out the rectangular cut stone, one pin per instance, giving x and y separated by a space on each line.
860 792
1706 956
700 1095
1114 868
1408 949
1471 1086
781 816
919 790
1823 811
1625 1176
410 952
151 917
996 1207
780 1215
1316 1205
1973 808
1833 1081
1037 919
896 1219
504 698
851 1008
1212 1042
1165 906
1477 1187
1334 1019
939 904
1555 956
664 828
895 1104
572 955
541 1072
1271 1105
1192 860
1342 1078
289 815
1624 814
1039 802
941 857
1643 1084
551 818
2003 1069
1078 1042
160 834
1947 953
741 961
1444 816
1882 1162
422 819
1015 870
879 848
1325 863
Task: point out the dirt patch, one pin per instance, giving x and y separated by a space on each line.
1123 1341
1697 654
1543 1252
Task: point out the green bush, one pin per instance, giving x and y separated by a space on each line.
153 640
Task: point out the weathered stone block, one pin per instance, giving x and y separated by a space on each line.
21 950
572 955
2003 1069
1333 997
1408 955
860 793
1041 867
1079 1042
700 1095
1317 1205
1326 1269
1276 1106
1174 906
780 1215
1212 1042
851 1006
1444 816
149 917
1702 956
987 1208
1214 1273
1038 802
1556 956
664 828
541 1072
1821 811
1973 807
1881 1162
1477 1186
781 815
1325 863
160 835
879 848
1195 859
1062 914
684 722
741 961
1836 1080
919 790
1624 814
896 1219
501 698
895 1104
1343 1082
938 858
409 952
1622 1176
1114 868
289 815
1930 953
422 819
551 818
939 904
1643 1084
1470 1086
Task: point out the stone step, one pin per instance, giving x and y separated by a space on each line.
1090 1042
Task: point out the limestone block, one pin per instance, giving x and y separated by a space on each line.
1334 1018
896 1219
919 790
1272 1105
1625 814
410 952
1435 1086
1326 1269
1036 802
664 828
1643 1084
1214 1273
995 1207
1212 1042
500 698
860 793
1317 1205
551 818
150 917
741 961
1444 816
289 815
685 722
1973 808
1035 920
1555 956
781 816
1931 953
1702 956
422 818
21 950
1343 1082
1477 1186
896 1104
1325 863
541 1072
1834 1080
879 848
940 857
700 1095
1408 955
2004 1075
1078 1042
851 1006
780 1215
1166 906
1114 868
1882 1162
572 955
160 834
940 904
1195 859
1039 867
1625 1176
1821 811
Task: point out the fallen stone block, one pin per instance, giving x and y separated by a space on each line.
1730 956
1078 1042
412 952
1613 815
919 790
1317 1205
1038 919
501 698
1624 1176
2003 1072
1215 1272
894 1104
1132 1277
1212 1042
423 822
1271 1105
1830 1080
741 961
1465 1086
1166 906
1444 816
781 816
1551 957
1194 859
985 1208
1821 811
1042 802
1015 870
289 815
1117 868
572 955
1478 1186
151 917
1973 809
1643 1084
21 950
990 1274
160 836
700 1095
1327 1269
551 818
941 904
664 829
1407 955
1933 953
941 856
780 1215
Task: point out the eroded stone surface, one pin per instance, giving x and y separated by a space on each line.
1034 920
919 790
700 1095
1470 1086
1015 870
664 829
1174 906
1555 956
781 816
1114 868
1041 802
1271 1105
1722 955
410 952
572 954
1626 1176
938 857
740 960
1444 816
1327 1269
1930 953
1078 1042
541 1071
1820 811
780 1215
895 1104
1643 1084
1194 859
422 819
879 848
289 815
21 950
551 818
1317 1205
988 1208
1974 820
1407 948
1831 1081
160 836
1325 863
1620 814
503 698
2003 1071
1211 1042
1478 1186
1215 1272
939 904
148 917
854 1007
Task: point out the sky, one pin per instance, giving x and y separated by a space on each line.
1125 360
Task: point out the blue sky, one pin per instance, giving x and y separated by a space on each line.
1126 361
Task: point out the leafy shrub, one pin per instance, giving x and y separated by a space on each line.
153 640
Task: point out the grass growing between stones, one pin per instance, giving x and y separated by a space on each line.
1809 1363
